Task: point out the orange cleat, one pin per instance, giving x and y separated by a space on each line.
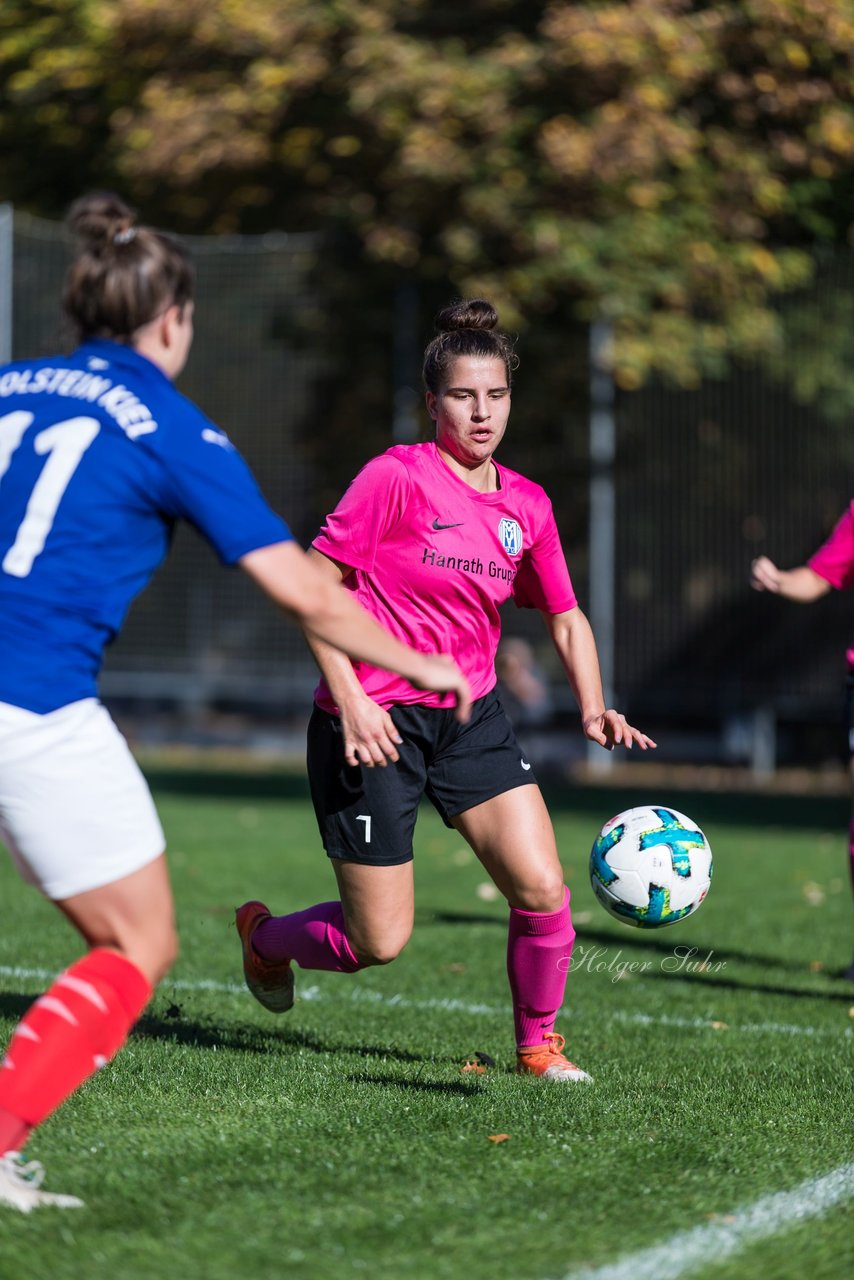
548 1062
271 983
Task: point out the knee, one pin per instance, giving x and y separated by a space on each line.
376 951
167 952
154 954
545 894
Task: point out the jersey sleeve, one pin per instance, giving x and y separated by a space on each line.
834 560
208 483
543 580
372 505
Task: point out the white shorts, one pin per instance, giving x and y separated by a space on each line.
75 811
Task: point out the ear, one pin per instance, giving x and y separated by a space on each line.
168 321
430 401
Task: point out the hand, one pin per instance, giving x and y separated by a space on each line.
611 729
370 735
442 675
764 575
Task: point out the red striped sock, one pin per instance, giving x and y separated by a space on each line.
13 1132
77 1026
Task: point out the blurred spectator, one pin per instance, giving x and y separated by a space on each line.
523 689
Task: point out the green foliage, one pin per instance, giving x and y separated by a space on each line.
668 166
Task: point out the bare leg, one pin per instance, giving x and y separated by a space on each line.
379 908
513 837
371 924
83 1019
134 916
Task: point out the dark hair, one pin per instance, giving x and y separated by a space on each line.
123 275
465 328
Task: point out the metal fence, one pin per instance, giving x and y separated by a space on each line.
705 481
701 482
200 634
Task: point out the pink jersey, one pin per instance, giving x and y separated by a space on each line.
434 560
834 560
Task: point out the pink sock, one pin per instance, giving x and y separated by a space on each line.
314 938
538 951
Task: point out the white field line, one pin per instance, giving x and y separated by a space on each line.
687 1251
363 995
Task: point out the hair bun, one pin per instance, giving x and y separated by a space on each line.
101 219
474 313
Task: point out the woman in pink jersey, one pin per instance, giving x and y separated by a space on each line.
431 539
832 566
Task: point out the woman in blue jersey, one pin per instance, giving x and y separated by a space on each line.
99 456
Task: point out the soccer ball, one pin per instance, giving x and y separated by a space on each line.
650 866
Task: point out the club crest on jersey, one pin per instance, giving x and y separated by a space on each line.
510 536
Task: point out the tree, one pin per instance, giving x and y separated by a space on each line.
669 166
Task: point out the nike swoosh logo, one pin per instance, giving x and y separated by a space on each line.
524 765
437 524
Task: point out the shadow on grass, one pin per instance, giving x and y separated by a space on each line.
423 1086
637 940
671 945
758 988
426 918
13 1005
249 1039
175 1028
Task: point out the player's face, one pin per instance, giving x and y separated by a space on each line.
472 409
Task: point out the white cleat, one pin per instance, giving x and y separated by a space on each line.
20 1186
570 1072
547 1061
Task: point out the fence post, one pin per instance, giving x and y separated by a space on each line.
603 448
6 227
405 360
763 746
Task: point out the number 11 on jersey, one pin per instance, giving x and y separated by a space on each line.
65 443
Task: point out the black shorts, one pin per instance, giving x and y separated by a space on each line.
849 712
368 815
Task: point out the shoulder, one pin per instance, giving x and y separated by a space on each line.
410 457
421 464
392 467
843 531
183 411
183 424
524 489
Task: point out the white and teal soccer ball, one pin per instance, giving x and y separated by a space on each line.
650 866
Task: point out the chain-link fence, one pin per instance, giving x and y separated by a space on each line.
703 481
199 633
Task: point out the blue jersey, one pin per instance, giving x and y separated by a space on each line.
99 456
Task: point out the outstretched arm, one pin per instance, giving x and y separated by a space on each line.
572 636
320 605
370 735
802 583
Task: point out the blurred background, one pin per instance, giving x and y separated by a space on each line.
656 195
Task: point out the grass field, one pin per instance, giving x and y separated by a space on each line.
342 1139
